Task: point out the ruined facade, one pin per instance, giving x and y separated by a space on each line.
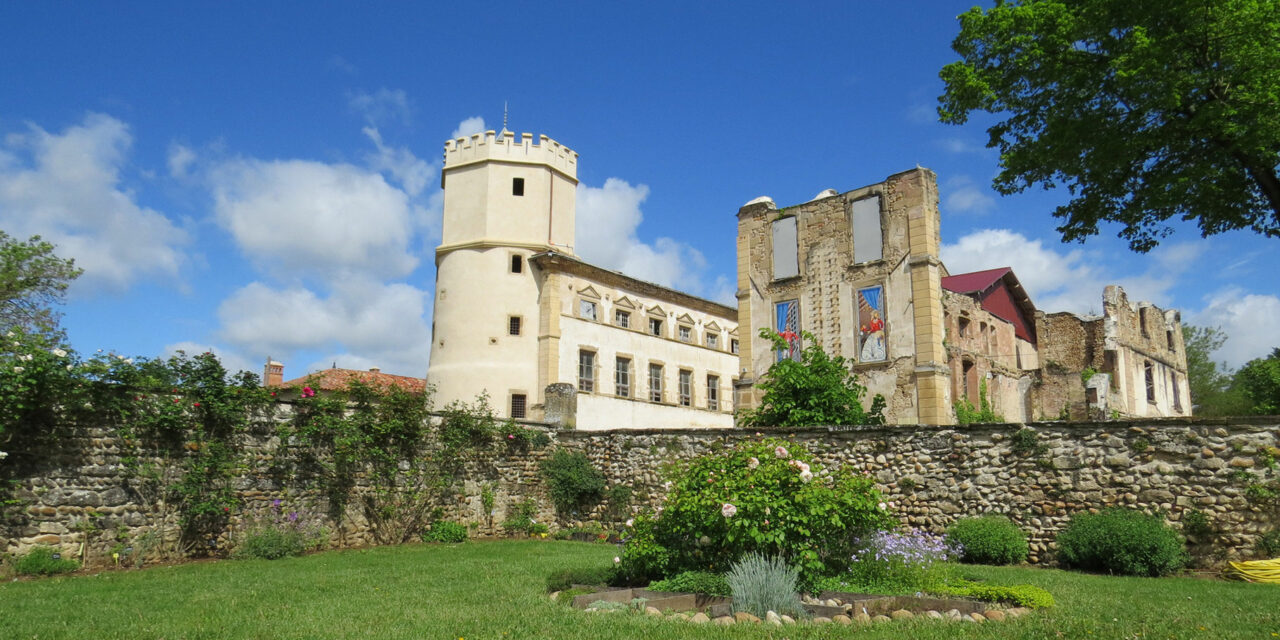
860 272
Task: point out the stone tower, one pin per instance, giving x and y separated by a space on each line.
505 199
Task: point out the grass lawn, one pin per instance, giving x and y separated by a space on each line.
482 590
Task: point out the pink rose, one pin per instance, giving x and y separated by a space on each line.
780 451
753 463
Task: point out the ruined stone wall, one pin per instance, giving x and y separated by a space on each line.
932 475
991 345
1141 336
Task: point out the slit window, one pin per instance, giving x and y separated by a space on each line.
1151 380
517 264
519 405
517 186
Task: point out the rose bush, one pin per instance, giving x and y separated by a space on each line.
766 496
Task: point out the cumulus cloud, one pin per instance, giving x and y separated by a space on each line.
468 127
180 160
607 220
1066 280
67 188
1250 321
361 320
412 172
382 106
963 196
300 217
959 145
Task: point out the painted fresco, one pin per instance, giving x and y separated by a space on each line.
787 322
871 334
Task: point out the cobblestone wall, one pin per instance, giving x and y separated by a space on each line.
933 475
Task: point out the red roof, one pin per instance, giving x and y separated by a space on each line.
338 379
1000 293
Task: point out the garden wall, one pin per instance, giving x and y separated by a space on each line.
931 475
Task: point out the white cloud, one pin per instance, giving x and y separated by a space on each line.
300 218
382 106
180 160
231 360
363 321
963 196
607 219
412 172
468 127
1070 280
67 188
959 145
1250 321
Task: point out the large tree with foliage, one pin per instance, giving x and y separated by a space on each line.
1145 111
1212 392
1259 382
32 280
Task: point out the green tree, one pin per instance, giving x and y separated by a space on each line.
1259 382
1212 391
32 280
817 389
1145 111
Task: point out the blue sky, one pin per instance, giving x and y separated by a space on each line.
262 179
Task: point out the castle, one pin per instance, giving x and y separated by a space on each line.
552 338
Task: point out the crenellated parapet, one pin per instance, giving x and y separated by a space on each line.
506 147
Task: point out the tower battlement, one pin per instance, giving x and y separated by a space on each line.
490 146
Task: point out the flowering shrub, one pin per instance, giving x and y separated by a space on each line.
900 562
767 496
816 390
278 535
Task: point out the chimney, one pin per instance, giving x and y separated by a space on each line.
273 373
375 369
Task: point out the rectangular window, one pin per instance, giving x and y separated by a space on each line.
655 327
586 371
655 383
686 333
519 404
622 378
867 241
733 346
686 388
587 310
713 393
517 264
513 325
622 318
1168 338
517 186
786 321
713 341
871 340
786 262
1177 397
1151 381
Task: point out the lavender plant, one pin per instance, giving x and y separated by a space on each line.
278 535
901 562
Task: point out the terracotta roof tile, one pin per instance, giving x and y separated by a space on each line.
339 379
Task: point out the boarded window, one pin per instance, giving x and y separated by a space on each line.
867 241
786 262
655 383
519 403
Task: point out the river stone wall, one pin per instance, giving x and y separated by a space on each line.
931 475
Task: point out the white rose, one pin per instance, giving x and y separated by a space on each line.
19 369
26 357
59 352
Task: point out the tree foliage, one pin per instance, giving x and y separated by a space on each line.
817 389
1212 390
1258 381
32 280
1145 111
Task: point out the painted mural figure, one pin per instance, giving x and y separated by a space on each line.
871 343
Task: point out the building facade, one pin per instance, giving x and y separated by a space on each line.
860 272
547 336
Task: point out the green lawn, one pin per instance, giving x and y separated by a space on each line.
482 590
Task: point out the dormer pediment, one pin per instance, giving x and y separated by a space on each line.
713 327
685 318
657 312
624 303
734 332
589 292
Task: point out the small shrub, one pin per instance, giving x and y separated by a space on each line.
520 518
712 584
1021 595
448 532
907 484
566 596
988 540
573 483
40 561
1121 541
1196 523
1269 544
761 584
901 562
1140 444
277 536
619 499
592 576
1026 441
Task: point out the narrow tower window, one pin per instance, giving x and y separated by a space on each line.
517 264
517 186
